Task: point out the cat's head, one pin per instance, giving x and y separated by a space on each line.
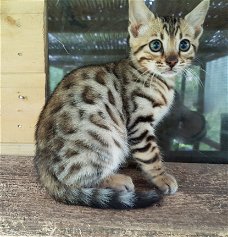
164 45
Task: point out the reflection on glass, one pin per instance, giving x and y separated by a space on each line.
85 32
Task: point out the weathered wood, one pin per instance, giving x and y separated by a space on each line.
23 43
23 97
20 110
22 6
198 209
23 71
24 149
25 80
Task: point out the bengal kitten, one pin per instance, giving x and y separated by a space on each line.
100 115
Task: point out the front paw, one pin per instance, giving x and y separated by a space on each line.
166 183
118 182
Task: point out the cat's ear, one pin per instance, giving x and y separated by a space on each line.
139 15
197 16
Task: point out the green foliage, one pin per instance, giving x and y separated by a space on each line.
55 76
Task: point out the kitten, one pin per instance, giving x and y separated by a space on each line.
100 115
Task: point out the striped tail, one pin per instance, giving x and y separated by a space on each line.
108 198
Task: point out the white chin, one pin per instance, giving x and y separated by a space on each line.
169 74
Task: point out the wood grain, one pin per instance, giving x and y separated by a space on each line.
22 38
20 110
24 149
22 6
23 44
198 209
24 80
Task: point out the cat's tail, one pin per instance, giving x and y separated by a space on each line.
108 198
97 197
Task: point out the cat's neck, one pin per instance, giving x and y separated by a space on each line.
141 75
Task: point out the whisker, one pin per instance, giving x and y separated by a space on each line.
196 78
143 77
203 70
138 68
151 79
198 60
144 72
201 63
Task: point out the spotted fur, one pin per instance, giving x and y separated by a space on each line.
100 115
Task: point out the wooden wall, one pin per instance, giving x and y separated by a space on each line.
23 44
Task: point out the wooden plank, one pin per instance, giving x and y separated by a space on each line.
23 80
0 48
19 130
22 6
20 111
17 149
23 35
20 100
198 209
23 43
23 96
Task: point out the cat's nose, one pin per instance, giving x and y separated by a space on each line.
172 60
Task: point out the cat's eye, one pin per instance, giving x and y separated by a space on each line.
155 45
184 45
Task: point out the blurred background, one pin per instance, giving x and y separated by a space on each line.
86 32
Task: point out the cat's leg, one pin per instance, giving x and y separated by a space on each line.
119 182
146 153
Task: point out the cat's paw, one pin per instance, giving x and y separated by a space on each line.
166 183
118 182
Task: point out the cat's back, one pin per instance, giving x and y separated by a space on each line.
86 84
84 96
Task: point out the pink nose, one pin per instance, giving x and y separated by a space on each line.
172 60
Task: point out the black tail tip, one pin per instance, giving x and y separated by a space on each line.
148 198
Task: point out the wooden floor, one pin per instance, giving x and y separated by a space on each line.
198 209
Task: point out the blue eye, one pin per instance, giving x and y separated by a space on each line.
155 45
184 45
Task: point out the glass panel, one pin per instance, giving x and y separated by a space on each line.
86 32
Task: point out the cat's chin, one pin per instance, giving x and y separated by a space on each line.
168 74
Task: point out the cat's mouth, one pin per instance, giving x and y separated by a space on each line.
169 72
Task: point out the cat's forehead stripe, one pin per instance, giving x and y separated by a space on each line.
171 24
181 35
162 36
